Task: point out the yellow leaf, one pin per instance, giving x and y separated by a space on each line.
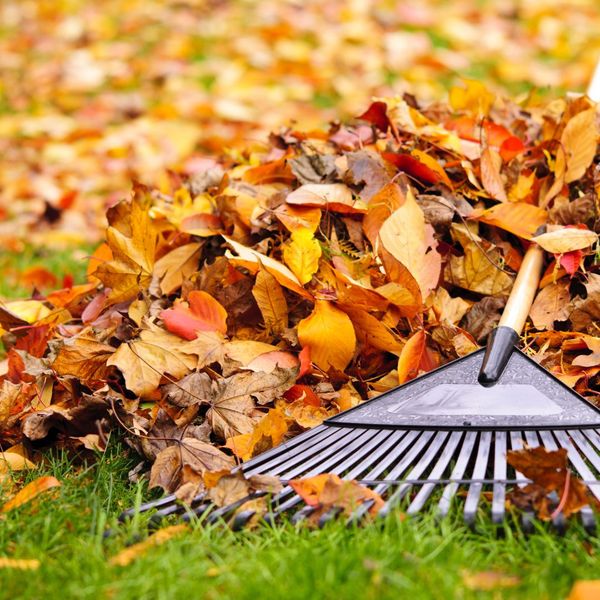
479 270
131 237
519 218
474 98
298 217
302 255
488 580
128 555
144 361
271 301
30 491
253 260
22 564
566 239
329 334
12 460
579 140
403 236
176 266
372 331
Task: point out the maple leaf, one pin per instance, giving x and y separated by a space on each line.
232 411
144 361
131 237
84 357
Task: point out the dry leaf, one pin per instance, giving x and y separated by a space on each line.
491 164
336 197
84 357
21 564
177 266
329 334
551 304
579 141
271 301
302 254
128 555
585 590
485 581
146 360
519 218
566 239
410 357
30 491
200 313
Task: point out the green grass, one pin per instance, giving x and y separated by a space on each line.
412 558
59 262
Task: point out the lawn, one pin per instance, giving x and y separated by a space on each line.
412 558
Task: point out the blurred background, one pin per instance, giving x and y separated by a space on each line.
96 93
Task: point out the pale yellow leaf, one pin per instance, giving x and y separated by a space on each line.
566 239
403 235
329 334
333 196
301 254
490 164
21 564
173 268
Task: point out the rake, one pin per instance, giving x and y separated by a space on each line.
446 432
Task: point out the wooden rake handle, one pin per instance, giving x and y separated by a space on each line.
503 339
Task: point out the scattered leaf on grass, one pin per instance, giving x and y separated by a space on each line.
30 491
128 555
485 581
21 564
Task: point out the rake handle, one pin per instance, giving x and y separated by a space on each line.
503 339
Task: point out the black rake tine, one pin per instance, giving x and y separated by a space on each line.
457 473
500 473
438 470
417 470
481 462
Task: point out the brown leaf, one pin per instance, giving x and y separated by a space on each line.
551 304
84 357
478 270
491 163
145 360
232 410
271 301
585 312
176 266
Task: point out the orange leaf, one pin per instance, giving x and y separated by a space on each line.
410 357
585 590
333 196
519 218
30 491
329 334
201 313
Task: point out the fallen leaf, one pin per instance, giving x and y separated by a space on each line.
566 239
485 581
551 304
579 140
30 491
201 312
491 165
519 218
177 266
410 357
585 590
21 564
271 301
128 555
84 357
336 197
301 254
319 330
144 361
403 235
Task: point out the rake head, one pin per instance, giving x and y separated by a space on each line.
442 432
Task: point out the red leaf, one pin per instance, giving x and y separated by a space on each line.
305 362
201 313
303 393
510 147
570 261
377 115
410 165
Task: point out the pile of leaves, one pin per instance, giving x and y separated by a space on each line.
248 303
94 94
